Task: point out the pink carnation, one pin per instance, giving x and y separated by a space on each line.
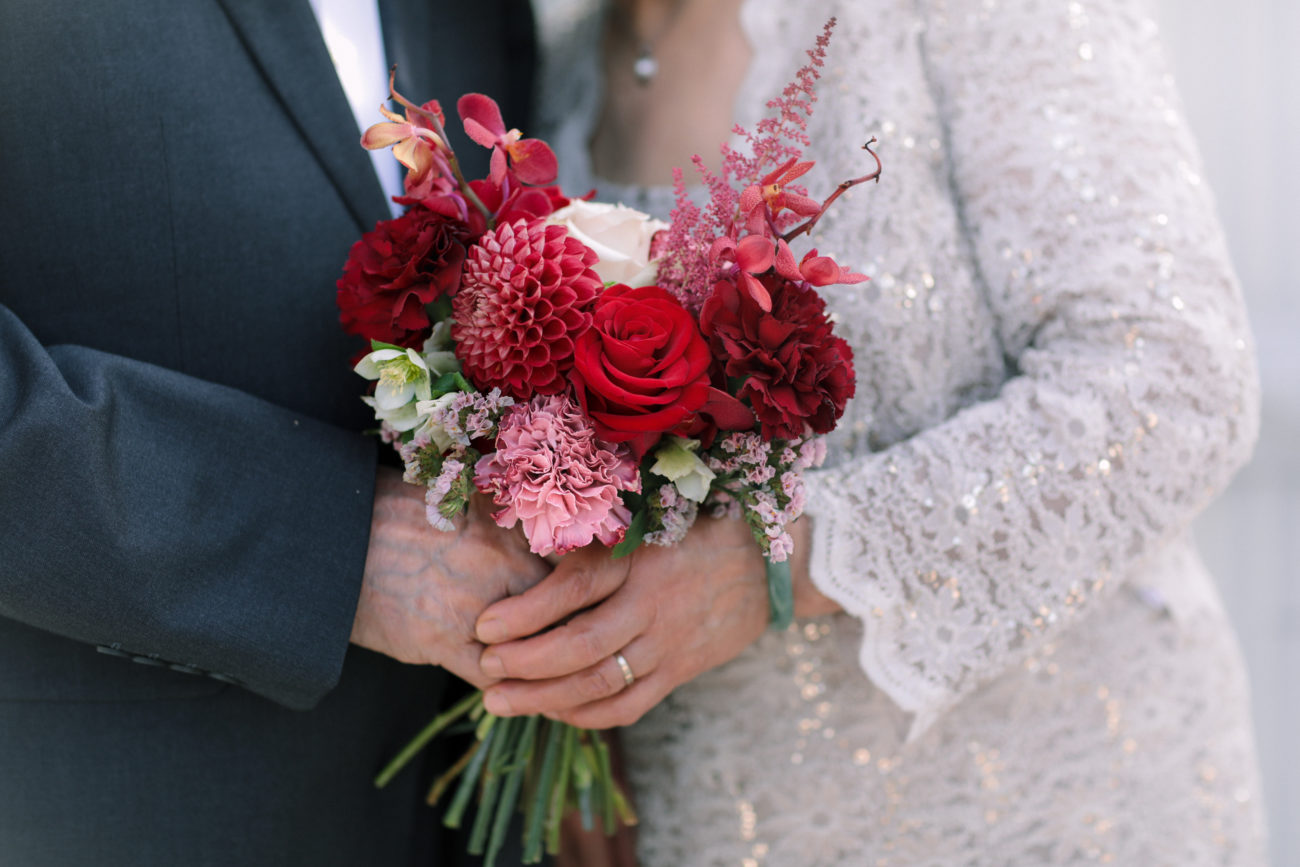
551 472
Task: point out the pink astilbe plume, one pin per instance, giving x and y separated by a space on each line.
775 146
783 136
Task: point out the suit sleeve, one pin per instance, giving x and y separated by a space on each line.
178 519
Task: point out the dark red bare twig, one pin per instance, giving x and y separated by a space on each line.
807 227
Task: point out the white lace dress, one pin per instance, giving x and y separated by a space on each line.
1055 375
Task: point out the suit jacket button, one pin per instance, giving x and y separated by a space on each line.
109 650
149 660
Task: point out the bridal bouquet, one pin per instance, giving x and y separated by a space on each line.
600 377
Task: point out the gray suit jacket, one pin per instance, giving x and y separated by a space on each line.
184 489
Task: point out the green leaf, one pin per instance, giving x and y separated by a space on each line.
438 309
452 380
634 536
376 345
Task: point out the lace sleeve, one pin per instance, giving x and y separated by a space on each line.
1132 395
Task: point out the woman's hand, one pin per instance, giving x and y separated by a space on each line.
673 613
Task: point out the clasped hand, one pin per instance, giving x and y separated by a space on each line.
673 613
543 641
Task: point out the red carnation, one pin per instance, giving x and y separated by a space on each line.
525 296
642 368
393 271
797 374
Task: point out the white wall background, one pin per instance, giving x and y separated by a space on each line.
1238 67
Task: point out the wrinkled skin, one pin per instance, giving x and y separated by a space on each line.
423 589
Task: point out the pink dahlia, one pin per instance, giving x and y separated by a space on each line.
525 294
554 474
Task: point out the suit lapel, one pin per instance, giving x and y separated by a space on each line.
285 43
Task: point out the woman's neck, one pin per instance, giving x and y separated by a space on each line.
650 124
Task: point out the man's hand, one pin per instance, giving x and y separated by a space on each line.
673 613
423 589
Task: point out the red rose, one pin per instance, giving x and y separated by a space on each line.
642 368
797 374
393 271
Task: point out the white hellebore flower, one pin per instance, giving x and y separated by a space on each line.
437 351
619 235
438 435
403 379
677 461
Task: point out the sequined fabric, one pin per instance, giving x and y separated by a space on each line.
1055 376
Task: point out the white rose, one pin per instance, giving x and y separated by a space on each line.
619 235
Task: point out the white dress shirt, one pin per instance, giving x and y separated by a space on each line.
356 45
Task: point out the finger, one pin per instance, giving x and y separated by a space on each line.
622 709
580 581
600 681
574 646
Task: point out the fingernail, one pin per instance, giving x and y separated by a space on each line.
491 665
491 631
497 704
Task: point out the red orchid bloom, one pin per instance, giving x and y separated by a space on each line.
769 196
532 159
755 255
751 255
825 271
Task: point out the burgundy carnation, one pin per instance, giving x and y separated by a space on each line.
797 374
642 368
526 294
393 271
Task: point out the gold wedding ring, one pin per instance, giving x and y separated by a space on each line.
628 676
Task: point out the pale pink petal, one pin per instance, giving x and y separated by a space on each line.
383 135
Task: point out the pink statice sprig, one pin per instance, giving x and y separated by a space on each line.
761 482
441 454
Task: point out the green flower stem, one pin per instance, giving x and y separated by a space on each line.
510 793
535 823
421 740
444 781
607 784
584 781
471 775
498 759
560 794
780 594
